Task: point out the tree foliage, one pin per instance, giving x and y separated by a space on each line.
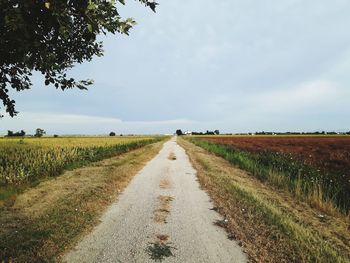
39 132
179 132
16 134
50 36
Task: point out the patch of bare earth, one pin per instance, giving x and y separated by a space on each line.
161 213
264 237
50 218
172 156
162 238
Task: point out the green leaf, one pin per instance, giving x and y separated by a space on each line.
91 6
89 26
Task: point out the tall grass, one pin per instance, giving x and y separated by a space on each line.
321 190
23 161
271 227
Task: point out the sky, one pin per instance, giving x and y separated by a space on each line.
232 65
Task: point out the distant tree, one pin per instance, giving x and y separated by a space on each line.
112 134
179 132
39 132
55 136
16 134
50 37
209 133
217 132
197 133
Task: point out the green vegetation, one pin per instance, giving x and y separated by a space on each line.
159 251
272 226
50 37
321 190
27 160
48 219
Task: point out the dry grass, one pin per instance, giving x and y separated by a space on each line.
172 156
165 183
50 218
271 224
162 238
162 212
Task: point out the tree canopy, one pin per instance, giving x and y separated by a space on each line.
51 36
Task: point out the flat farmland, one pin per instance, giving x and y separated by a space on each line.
24 160
331 154
316 167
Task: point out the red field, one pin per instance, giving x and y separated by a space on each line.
330 154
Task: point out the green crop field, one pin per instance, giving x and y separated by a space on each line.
29 159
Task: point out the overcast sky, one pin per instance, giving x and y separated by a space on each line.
232 65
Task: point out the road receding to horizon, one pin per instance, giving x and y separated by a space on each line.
162 216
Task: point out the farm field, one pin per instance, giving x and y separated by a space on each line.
27 160
317 167
49 216
330 154
274 225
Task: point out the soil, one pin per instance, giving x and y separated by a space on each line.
330 154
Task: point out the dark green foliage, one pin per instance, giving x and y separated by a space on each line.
159 251
16 134
39 132
50 36
179 132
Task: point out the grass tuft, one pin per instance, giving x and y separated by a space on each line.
158 251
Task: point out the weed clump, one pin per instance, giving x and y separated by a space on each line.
158 251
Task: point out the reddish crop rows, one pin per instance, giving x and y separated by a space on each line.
330 154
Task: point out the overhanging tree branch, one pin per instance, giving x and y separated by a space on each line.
51 36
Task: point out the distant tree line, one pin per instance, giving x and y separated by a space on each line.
300 133
38 133
114 134
216 132
16 134
179 132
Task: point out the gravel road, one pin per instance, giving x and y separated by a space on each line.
162 216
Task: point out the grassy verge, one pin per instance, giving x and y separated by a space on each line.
38 164
323 191
271 224
29 161
48 219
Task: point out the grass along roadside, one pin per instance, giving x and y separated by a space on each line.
24 165
24 161
324 191
48 219
271 224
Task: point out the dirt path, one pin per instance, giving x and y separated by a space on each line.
161 216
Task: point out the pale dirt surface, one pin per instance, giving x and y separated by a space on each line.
162 205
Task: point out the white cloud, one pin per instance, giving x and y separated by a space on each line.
67 119
309 95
